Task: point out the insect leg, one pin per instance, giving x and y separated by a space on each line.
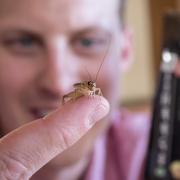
98 92
67 97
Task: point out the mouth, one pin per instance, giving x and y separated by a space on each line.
38 113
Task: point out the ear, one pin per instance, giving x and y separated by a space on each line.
126 50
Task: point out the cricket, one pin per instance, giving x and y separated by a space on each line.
86 88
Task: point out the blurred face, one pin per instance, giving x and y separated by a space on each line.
47 46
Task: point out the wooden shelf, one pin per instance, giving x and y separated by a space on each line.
158 9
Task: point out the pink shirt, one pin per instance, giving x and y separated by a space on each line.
120 153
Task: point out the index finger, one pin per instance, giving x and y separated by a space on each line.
25 150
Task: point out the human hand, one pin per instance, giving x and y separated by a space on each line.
25 150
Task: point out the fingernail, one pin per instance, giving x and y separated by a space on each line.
98 113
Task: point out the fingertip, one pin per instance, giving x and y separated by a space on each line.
92 101
98 108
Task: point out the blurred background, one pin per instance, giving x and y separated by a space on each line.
145 19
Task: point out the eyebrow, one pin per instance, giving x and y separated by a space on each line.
17 31
92 29
20 31
76 33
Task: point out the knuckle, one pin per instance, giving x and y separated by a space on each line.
12 169
66 138
62 138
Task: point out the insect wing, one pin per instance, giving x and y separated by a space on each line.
82 84
76 85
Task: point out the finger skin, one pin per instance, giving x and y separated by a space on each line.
25 150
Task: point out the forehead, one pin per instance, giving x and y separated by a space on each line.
74 13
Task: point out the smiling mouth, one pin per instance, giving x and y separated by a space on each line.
40 113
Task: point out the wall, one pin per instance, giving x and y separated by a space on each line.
138 83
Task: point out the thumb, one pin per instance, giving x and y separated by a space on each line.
26 149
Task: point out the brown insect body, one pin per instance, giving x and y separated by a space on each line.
86 88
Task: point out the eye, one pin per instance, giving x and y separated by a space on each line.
87 42
22 44
90 45
26 41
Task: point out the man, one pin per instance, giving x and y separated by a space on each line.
45 47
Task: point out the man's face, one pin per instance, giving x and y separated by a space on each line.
48 45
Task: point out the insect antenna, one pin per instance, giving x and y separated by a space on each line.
102 62
89 75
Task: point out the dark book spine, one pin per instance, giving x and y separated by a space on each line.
163 155
161 137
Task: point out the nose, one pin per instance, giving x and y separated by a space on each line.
56 77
